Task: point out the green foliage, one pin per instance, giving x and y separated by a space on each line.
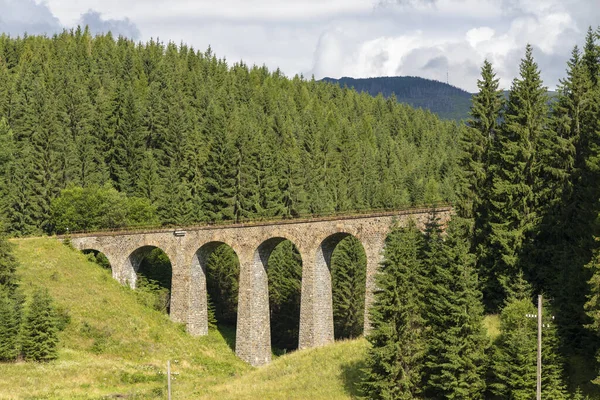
284 272
8 266
510 213
223 274
10 324
395 360
151 294
95 207
455 361
445 100
348 282
515 352
198 139
40 330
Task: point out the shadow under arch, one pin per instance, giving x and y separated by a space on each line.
98 257
149 269
283 265
348 269
214 280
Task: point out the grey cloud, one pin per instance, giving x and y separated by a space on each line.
97 24
440 62
27 16
380 59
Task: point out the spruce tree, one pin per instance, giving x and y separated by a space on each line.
455 362
40 331
515 353
591 56
223 271
394 364
475 143
511 212
10 323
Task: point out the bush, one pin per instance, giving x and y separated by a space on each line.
98 207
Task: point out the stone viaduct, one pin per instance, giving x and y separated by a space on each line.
188 250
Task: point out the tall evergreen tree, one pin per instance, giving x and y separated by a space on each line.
455 362
515 354
395 359
9 325
475 144
40 331
285 278
223 272
511 214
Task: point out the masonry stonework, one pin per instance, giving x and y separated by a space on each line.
316 239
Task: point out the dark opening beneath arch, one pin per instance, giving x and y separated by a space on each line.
154 276
97 257
222 268
284 271
348 284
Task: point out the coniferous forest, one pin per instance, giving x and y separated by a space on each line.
99 132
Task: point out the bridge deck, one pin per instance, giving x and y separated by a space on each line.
231 224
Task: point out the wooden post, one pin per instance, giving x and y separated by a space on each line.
539 350
169 379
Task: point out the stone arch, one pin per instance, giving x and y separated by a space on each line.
253 332
197 323
316 310
128 274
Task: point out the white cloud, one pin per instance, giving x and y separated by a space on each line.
359 38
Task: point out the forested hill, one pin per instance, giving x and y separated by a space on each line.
160 133
447 101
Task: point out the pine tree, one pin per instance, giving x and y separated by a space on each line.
511 210
475 144
395 360
348 282
455 363
10 322
40 331
515 352
591 57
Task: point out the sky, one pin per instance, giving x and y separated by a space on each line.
435 39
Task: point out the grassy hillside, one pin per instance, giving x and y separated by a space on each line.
114 347
329 372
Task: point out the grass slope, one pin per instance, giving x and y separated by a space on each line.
329 372
113 346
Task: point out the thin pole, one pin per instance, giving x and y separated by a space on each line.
539 350
169 379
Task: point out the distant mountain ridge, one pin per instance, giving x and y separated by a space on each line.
447 101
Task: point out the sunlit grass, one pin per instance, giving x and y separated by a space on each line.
115 347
